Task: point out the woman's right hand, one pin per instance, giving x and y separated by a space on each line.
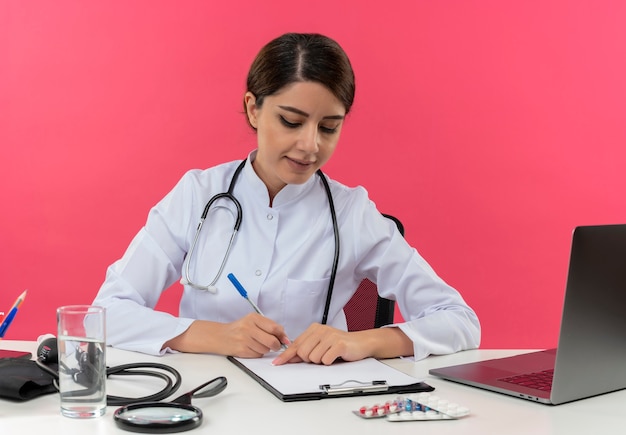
251 336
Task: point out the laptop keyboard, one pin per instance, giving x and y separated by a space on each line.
538 380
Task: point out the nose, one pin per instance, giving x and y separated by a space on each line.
308 140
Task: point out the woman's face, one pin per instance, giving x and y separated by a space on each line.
297 131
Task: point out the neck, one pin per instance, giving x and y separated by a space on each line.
272 190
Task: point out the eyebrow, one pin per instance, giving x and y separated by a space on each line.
303 113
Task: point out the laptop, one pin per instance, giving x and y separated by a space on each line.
591 355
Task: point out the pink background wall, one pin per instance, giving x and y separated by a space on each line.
490 128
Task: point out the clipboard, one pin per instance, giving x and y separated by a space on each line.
304 381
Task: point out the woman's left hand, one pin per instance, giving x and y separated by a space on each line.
322 344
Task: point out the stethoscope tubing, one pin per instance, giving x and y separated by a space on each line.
333 274
230 196
226 195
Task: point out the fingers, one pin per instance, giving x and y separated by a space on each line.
276 335
255 335
286 356
319 344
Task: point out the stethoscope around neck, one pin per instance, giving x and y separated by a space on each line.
228 195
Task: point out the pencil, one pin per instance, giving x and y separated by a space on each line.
6 322
19 300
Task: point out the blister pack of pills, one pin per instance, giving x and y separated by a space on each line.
416 407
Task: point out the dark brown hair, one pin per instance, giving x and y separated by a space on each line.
301 57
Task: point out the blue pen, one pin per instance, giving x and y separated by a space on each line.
242 291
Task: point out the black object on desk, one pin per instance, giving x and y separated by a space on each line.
21 379
4 353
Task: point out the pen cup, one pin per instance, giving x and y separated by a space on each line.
82 362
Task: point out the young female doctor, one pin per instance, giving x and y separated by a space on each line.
301 237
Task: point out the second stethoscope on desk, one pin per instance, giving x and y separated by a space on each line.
187 280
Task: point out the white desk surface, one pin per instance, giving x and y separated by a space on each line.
246 407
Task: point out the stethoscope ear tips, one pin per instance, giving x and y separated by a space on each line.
212 289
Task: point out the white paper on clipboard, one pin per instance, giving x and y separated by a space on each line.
304 378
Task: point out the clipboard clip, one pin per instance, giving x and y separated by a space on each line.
360 387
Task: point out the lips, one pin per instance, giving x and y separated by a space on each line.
299 164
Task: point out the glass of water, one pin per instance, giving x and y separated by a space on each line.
82 361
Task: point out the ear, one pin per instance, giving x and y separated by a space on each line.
249 101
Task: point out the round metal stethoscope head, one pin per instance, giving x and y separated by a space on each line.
168 417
